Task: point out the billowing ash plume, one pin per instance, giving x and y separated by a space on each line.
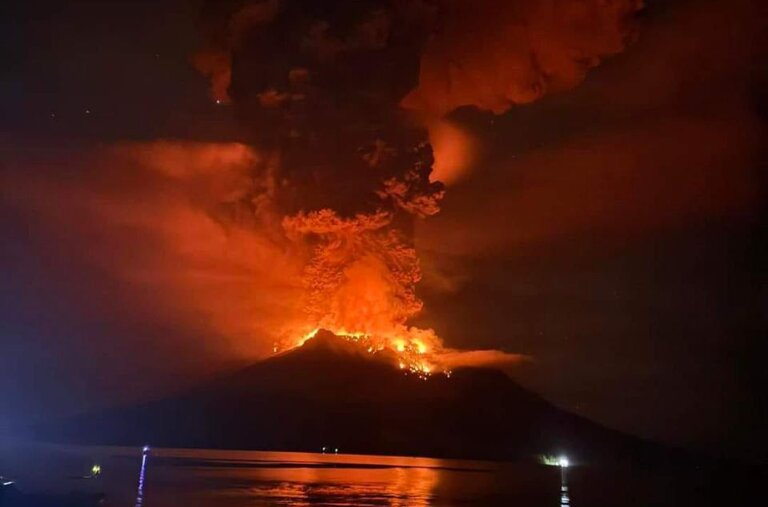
318 85
493 55
327 91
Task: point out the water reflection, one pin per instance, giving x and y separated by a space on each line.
565 499
140 488
339 485
205 478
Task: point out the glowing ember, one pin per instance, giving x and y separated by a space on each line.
413 356
360 277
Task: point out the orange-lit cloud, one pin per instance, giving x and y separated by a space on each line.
216 65
193 234
481 359
493 55
455 150
650 144
174 222
627 182
317 229
215 62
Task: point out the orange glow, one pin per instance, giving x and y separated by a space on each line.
193 233
411 353
164 218
338 478
360 278
494 55
216 65
454 151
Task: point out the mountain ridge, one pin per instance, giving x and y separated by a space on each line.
332 393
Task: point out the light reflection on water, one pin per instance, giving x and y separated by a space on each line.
565 498
204 478
395 487
306 479
140 487
341 480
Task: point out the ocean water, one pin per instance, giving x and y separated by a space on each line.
213 478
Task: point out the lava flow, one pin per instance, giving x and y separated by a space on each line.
360 277
413 355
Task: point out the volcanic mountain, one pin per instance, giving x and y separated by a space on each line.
332 393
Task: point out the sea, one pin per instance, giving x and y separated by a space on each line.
160 477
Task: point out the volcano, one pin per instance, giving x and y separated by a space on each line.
331 393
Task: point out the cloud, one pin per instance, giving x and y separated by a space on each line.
494 55
662 138
185 228
481 359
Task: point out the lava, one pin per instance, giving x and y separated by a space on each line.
411 353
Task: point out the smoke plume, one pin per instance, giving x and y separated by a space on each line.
493 55
174 223
339 96
309 222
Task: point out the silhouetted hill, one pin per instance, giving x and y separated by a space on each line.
331 393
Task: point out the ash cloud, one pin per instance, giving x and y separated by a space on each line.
317 88
662 139
311 222
340 96
174 224
656 127
494 55
619 223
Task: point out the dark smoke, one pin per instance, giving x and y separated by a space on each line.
319 88
494 55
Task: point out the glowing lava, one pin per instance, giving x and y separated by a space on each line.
412 354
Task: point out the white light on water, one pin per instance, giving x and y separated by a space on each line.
563 462
140 488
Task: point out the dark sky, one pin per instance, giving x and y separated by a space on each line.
614 233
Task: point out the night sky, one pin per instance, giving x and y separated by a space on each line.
612 233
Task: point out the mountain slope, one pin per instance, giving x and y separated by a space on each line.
331 393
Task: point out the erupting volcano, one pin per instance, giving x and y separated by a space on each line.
344 139
351 170
331 391
412 354
410 228
338 96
